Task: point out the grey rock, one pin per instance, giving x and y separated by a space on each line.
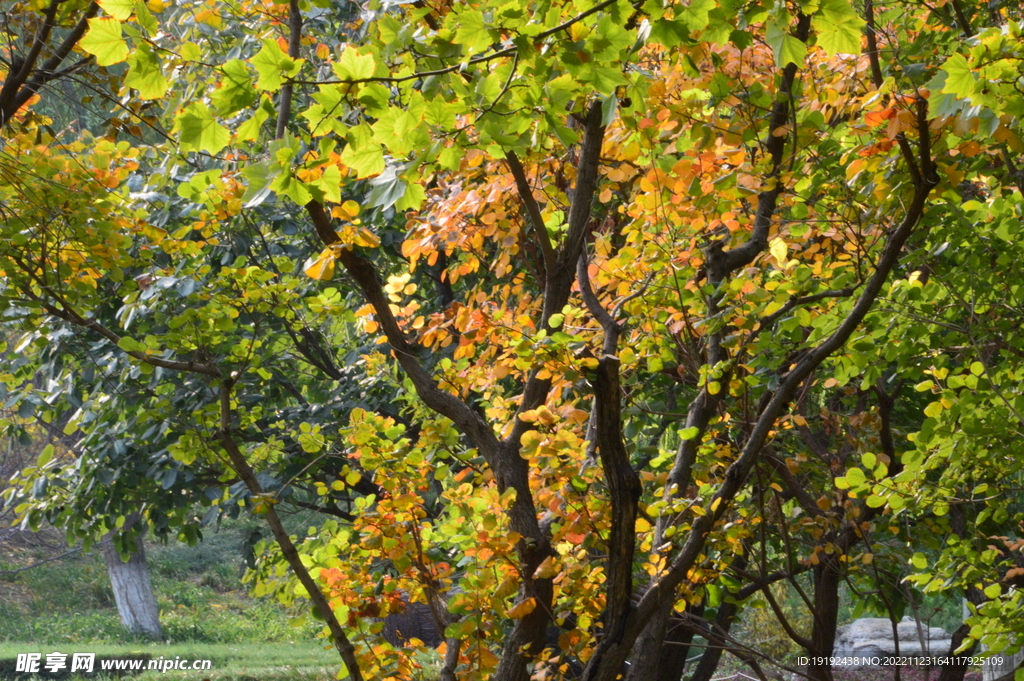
872 637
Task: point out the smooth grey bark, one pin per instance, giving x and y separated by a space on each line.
133 590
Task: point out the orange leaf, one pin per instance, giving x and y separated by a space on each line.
522 609
875 118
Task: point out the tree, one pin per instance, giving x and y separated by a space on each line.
618 268
133 590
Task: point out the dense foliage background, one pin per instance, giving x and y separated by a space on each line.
599 328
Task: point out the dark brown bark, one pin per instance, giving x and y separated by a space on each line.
609 655
827 576
717 644
676 646
955 672
509 468
720 265
29 77
623 482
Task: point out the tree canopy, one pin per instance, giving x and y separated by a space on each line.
595 318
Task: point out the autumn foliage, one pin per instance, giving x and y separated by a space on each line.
588 325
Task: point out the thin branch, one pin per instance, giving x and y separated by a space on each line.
42 562
284 113
532 212
288 550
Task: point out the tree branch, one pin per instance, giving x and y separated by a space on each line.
532 211
42 562
288 550
284 112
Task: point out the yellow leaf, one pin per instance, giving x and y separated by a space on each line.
351 208
508 587
365 238
522 609
546 569
323 267
779 250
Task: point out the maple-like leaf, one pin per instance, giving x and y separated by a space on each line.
145 75
839 28
200 131
103 40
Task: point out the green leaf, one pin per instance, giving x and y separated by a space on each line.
362 153
103 40
200 131
129 344
977 368
668 33
119 9
260 177
855 477
919 561
145 19
330 183
473 32
787 49
273 65
45 456
354 66
689 433
413 198
250 130
993 590
838 27
236 90
144 73
386 189
695 16
960 80
288 185
604 79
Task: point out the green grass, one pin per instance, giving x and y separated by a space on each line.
306 661
67 606
199 592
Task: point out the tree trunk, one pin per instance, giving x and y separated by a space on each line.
646 658
708 664
133 591
827 575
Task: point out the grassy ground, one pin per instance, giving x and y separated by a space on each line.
229 662
67 606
